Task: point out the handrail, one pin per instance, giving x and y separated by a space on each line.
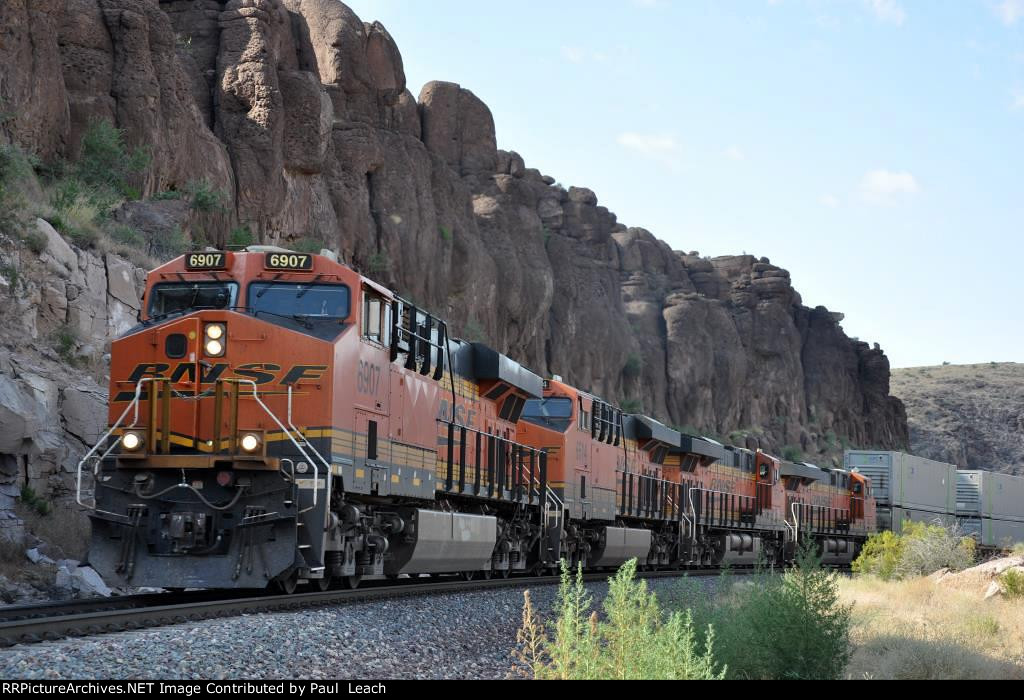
310 446
795 527
134 403
266 409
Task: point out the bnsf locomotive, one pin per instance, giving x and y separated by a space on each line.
277 418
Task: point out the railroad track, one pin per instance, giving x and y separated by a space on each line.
93 616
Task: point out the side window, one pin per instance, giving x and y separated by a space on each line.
376 317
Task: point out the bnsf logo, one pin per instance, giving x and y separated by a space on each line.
259 372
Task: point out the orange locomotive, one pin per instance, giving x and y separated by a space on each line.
276 417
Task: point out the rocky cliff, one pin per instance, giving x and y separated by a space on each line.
299 113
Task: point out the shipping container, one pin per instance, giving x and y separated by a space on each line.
893 518
919 488
989 495
992 532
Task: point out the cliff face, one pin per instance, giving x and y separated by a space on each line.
299 112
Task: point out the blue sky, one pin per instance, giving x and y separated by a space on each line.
874 148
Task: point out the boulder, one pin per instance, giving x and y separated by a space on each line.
86 581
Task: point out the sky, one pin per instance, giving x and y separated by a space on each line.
874 148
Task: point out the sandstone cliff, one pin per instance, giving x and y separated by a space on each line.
299 112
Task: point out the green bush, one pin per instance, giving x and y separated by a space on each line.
633 367
1012 583
127 235
308 245
106 165
880 556
378 264
921 549
474 332
241 237
204 198
170 245
788 626
635 640
632 406
792 453
34 501
65 342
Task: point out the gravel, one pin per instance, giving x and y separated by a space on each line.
452 636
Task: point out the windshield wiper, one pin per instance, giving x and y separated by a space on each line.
161 317
298 318
303 290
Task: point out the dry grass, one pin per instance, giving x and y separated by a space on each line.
65 527
918 629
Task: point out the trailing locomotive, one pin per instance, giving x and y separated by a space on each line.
277 418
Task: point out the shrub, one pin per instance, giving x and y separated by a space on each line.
920 550
127 235
1012 583
928 548
789 626
378 264
792 453
167 195
35 240
634 365
634 641
65 341
241 237
880 556
446 233
34 501
632 406
204 198
473 331
14 169
169 245
106 165
308 245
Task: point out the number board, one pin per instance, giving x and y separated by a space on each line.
206 261
289 261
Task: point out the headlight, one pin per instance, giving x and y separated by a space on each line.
250 442
215 338
131 441
214 348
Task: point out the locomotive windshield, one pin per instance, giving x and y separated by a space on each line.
181 297
554 413
317 309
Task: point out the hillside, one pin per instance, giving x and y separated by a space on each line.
289 121
970 415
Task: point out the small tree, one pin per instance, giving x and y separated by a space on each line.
635 640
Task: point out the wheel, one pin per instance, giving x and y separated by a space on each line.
322 584
468 575
488 574
352 582
505 573
288 584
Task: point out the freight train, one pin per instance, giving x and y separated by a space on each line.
278 419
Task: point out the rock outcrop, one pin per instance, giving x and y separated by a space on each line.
59 309
299 112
